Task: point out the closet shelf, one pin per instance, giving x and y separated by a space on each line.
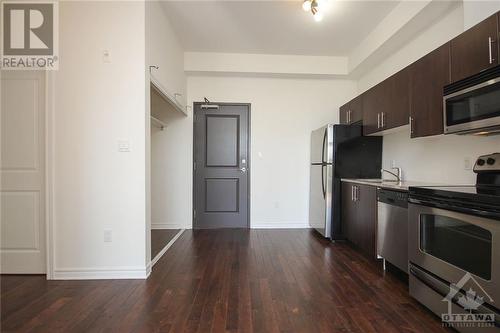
160 124
170 99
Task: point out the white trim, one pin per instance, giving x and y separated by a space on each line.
162 252
99 273
277 225
167 225
49 174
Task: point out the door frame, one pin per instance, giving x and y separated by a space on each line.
49 172
249 157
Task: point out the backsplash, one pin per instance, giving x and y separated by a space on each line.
437 159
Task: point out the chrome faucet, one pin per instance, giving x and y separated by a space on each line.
397 175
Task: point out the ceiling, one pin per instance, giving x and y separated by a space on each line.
273 27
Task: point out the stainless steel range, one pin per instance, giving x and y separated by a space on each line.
454 249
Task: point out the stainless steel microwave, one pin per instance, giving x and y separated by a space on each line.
472 105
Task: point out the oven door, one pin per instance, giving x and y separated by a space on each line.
473 109
450 244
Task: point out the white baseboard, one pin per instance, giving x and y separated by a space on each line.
271 225
169 225
101 273
165 248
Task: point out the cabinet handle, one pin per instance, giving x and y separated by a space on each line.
352 192
383 119
356 194
411 125
349 116
378 120
490 49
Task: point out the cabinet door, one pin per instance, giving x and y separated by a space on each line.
428 77
372 105
348 212
475 50
367 219
356 108
398 106
343 113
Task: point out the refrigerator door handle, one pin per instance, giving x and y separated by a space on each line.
323 146
323 180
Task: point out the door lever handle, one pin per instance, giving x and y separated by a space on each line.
243 170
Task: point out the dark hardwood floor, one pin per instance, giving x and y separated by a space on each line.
160 238
226 281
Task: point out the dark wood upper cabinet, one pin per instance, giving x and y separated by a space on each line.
351 112
356 110
398 108
387 105
372 103
428 77
344 114
475 50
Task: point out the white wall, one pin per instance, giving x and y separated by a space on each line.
283 114
437 159
170 189
434 36
95 105
165 51
475 11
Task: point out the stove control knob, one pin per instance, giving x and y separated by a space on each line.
490 161
480 162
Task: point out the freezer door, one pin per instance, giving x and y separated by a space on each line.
320 199
322 145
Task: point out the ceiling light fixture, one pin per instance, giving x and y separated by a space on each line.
316 8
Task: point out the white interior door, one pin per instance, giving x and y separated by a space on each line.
22 168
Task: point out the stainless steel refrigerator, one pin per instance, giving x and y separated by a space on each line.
338 151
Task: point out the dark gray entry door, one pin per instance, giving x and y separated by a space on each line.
221 165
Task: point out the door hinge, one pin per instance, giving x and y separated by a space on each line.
194 166
194 213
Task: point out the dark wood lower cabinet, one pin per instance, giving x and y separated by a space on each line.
359 216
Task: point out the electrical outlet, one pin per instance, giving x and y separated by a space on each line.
467 163
108 235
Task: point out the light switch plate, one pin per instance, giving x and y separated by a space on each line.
123 146
108 235
106 56
467 163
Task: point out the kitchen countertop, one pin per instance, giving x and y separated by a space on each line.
388 184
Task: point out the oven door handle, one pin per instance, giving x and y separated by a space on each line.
443 289
475 211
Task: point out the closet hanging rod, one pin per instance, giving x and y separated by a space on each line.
161 124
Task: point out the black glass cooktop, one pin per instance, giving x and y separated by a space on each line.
467 190
482 199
